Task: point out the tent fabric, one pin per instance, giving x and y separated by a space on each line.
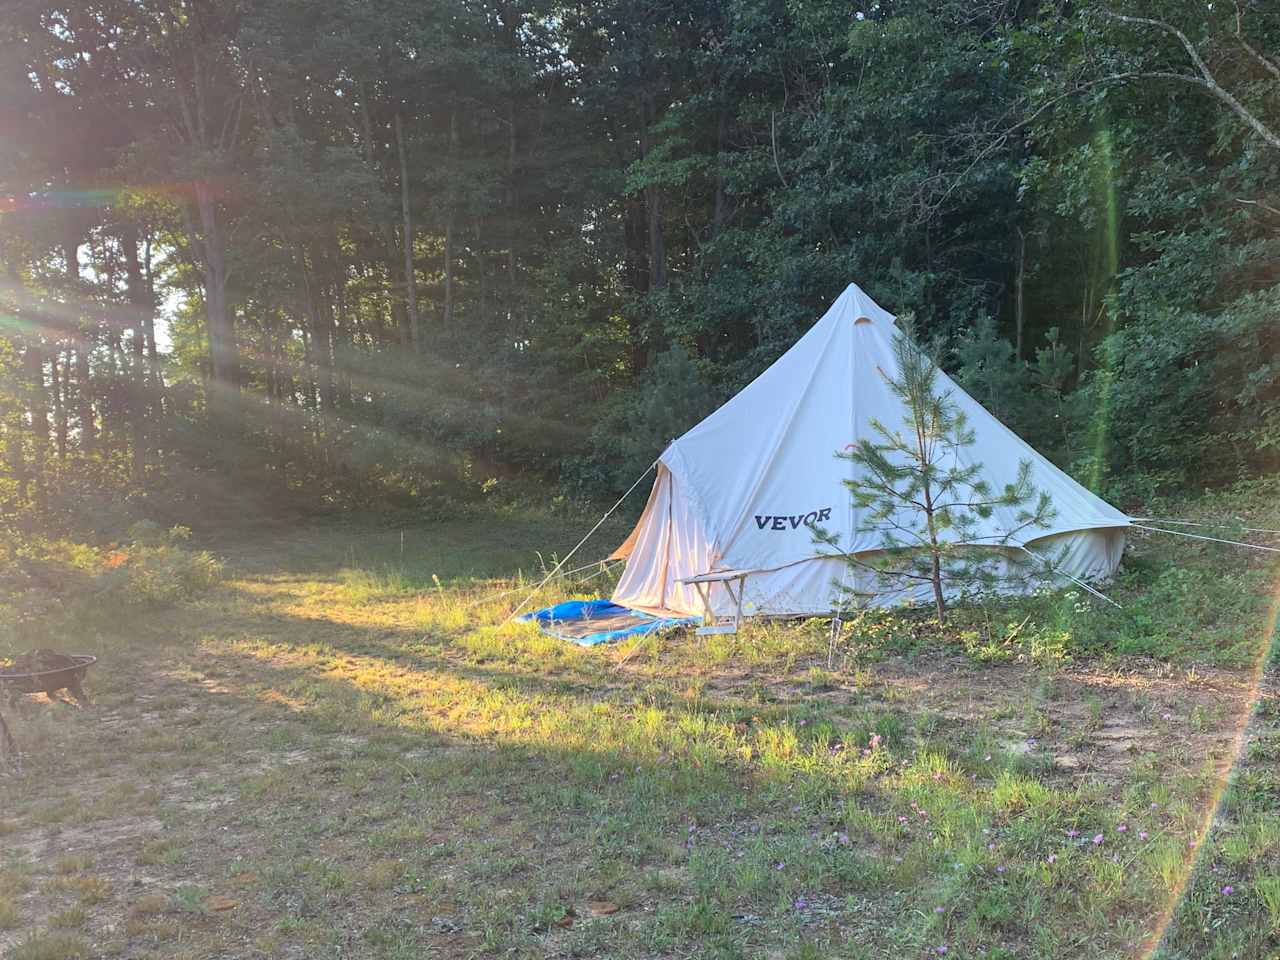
741 489
591 622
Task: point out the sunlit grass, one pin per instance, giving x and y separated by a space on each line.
318 747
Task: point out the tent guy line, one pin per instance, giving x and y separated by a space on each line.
578 546
1224 525
1078 582
1197 536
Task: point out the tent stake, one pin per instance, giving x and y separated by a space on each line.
607 514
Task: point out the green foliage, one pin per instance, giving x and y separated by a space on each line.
616 214
670 397
156 568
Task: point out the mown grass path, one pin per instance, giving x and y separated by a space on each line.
333 755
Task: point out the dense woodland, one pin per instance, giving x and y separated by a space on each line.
323 255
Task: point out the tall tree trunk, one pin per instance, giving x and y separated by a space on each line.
637 279
411 336
136 411
717 213
224 360
14 428
394 262
83 347
57 386
1017 301
653 203
512 216
33 364
450 216
16 457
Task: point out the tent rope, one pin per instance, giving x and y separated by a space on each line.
1198 523
1076 580
599 523
602 564
1196 536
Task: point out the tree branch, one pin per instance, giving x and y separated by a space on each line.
1206 78
1266 62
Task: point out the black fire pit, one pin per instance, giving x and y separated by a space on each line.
55 671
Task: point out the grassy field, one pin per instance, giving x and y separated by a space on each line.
338 752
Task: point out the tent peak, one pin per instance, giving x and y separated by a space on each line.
857 304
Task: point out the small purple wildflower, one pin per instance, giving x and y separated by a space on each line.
939 909
779 865
1097 839
1228 890
1052 858
1000 869
1142 834
1121 828
1073 833
941 950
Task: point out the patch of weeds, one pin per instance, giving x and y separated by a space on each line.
157 852
67 865
14 881
51 946
189 898
150 905
91 890
72 918
10 918
383 875
1268 890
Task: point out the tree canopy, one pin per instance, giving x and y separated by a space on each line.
334 255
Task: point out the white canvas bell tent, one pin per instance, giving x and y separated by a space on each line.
735 497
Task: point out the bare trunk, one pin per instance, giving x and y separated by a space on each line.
1018 313
224 361
33 362
57 377
16 457
410 337
395 299
83 346
136 411
717 216
935 547
512 215
653 205
450 215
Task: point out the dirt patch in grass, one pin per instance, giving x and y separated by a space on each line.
1093 721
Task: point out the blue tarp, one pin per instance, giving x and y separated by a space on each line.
589 622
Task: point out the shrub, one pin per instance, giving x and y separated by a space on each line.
155 567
